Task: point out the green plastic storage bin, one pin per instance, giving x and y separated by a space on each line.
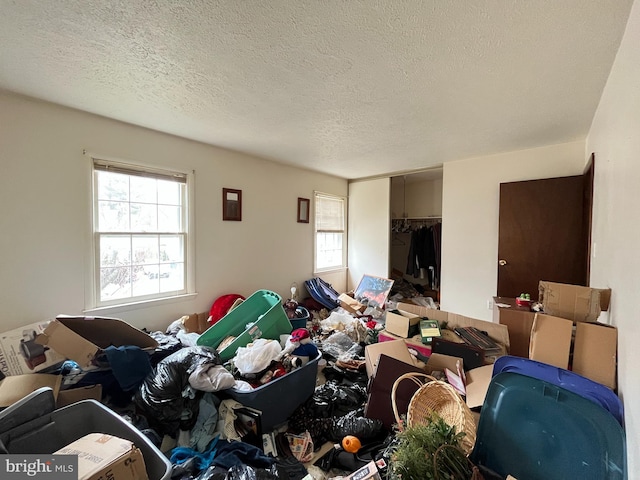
259 316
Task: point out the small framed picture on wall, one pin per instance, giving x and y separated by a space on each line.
231 204
303 210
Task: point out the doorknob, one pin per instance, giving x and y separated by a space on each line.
502 263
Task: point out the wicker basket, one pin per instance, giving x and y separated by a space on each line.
441 398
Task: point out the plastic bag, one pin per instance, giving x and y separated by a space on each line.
354 424
340 346
166 397
256 356
338 320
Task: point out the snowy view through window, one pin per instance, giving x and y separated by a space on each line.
140 236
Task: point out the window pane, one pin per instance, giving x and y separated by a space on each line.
328 250
144 218
113 186
171 248
171 277
115 250
115 283
147 282
145 249
170 193
113 217
144 190
169 218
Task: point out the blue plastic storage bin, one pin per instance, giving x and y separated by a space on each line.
278 399
300 322
259 316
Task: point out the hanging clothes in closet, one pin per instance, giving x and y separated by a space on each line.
423 260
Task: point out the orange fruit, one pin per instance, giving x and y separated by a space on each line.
351 444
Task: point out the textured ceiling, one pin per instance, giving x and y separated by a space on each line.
352 88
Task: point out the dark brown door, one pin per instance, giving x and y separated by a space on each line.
541 235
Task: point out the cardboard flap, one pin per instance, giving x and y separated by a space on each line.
105 332
575 302
478 381
551 340
16 387
81 338
394 348
603 340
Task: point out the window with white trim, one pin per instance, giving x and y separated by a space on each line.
140 233
330 233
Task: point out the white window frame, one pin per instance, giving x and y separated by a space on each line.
92 298
317 230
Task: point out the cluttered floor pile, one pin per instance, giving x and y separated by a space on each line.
266 389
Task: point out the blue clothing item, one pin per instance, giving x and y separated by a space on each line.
203 460
129 364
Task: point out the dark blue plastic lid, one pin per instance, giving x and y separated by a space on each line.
594 391
535 430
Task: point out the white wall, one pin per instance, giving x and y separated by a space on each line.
416 198
615 139
45 220
369 229
471 193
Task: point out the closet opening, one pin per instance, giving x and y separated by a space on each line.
416 233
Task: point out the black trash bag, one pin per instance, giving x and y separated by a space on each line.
166 398
353 423
333 400
167 344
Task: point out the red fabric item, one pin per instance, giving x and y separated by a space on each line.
221 306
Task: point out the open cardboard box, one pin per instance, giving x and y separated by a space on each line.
577 303
414 343
401 323
82 339
350 304
499 333
594 347
395 348
16 387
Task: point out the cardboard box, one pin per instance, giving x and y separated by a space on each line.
395 348
477 385
67 397
21 354
413 343
196 322
403 324
82 339
499 333
577 303
519 321
551 340
350 304
594 352
16 387
102 456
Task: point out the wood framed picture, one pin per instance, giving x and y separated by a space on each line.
231 204
303 210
